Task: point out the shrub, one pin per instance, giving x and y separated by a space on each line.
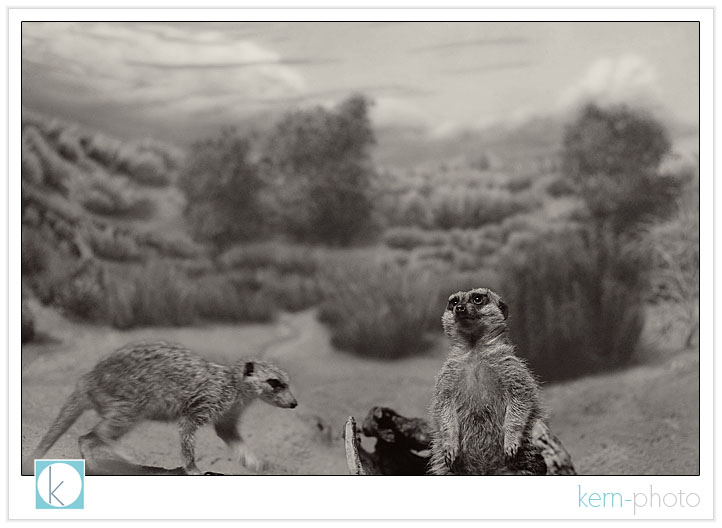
409 238
519 183
152 294
284 258
222 187
27 332
168 245
291 291
144 167
108 197
559 187
56 171
215 298
68 145
575 301
73 286
34 253
378 310
31 170
459 207
111 244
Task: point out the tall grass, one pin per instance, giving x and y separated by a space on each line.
111 244
281 257
378 310
107 196
576 302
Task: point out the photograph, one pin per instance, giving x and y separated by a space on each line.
359 248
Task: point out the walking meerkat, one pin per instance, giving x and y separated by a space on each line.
167 382
486 400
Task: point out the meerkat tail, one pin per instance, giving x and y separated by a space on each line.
75 405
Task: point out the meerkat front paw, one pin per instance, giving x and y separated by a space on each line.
449 452
250 461
511 445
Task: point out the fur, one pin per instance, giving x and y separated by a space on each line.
167 382
486 399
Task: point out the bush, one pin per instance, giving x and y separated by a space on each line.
111 244
216 299
462 208
57 172
31 170
144 167
68 146
27 332
292 292
34 253
284 258
409 238
575 301
178 246
222 186
152 294
74 287
378 310
559 187
107 197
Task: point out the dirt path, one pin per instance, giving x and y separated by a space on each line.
639 421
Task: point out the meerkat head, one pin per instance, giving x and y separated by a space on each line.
474 314
269 383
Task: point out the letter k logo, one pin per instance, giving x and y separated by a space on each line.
51 491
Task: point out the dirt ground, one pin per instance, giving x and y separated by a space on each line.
643 420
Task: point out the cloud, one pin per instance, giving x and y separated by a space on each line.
629 79
473 43
489 68
153 64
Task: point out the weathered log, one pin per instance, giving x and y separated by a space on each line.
556 457
402 448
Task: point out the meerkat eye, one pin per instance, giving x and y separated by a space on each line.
453 302
275 384
478 298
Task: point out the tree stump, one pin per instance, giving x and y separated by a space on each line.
402 447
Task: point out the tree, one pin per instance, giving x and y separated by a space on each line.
318 163
612 156
222 189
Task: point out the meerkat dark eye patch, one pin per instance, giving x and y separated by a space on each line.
479 298
452 302
275 384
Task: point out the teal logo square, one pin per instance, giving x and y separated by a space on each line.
59 484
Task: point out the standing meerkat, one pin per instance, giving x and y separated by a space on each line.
486 400
167 382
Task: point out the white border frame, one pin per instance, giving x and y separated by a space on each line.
317 497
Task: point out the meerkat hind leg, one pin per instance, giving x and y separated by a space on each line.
104 437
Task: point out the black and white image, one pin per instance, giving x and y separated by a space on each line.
367 248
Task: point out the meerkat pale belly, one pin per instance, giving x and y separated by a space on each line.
485 399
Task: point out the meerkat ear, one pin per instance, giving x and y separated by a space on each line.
504 308
248 368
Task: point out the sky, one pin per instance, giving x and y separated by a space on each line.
174 80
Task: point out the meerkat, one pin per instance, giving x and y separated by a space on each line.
167 382
486 400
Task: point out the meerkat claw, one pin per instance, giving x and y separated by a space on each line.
511 449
